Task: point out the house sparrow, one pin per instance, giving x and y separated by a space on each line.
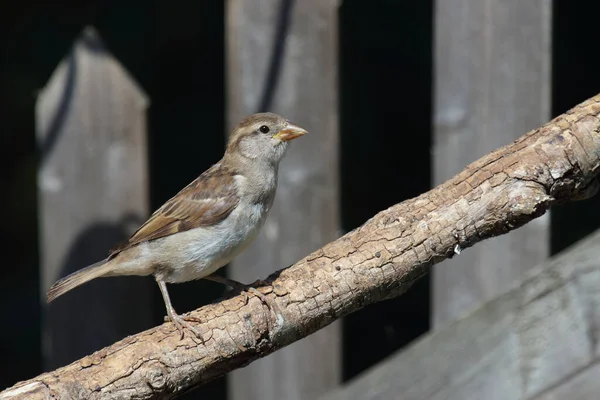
209 222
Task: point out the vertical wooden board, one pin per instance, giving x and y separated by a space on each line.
492 84
93 191
306 212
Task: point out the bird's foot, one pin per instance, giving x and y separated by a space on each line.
182 322
245 289
242 288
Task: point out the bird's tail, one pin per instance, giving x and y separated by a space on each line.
77 278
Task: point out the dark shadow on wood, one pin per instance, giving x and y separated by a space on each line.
91 41
284 21
55 127
116 303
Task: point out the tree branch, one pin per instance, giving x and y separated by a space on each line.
498 193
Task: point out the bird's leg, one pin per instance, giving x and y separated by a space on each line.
176 319
244 289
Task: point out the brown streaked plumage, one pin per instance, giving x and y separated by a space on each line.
209 222
206 201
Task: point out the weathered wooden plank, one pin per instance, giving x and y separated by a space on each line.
305 213
525 343
492 82
93 189
583 385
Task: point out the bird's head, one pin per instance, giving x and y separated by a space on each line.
263 137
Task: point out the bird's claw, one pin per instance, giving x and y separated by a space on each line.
181 323
249 289
258 294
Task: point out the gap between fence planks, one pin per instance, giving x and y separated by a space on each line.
381 259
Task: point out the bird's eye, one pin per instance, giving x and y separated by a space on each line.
264 129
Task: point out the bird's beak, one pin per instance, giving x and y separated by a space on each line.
290 132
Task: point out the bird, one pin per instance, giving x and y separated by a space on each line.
206 224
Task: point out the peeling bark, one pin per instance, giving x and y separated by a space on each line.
381 259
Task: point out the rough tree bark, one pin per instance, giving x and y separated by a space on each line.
379 260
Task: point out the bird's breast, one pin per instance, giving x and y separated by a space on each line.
201 251
245 223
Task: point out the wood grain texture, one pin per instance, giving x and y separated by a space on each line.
492 81
502 191
93 190
583 384
305 214
537 341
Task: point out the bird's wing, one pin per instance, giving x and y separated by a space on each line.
209 199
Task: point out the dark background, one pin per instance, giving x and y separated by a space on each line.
175 50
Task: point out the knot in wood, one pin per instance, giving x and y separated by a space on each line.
156 376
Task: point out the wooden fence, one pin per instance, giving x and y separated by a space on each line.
93 185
